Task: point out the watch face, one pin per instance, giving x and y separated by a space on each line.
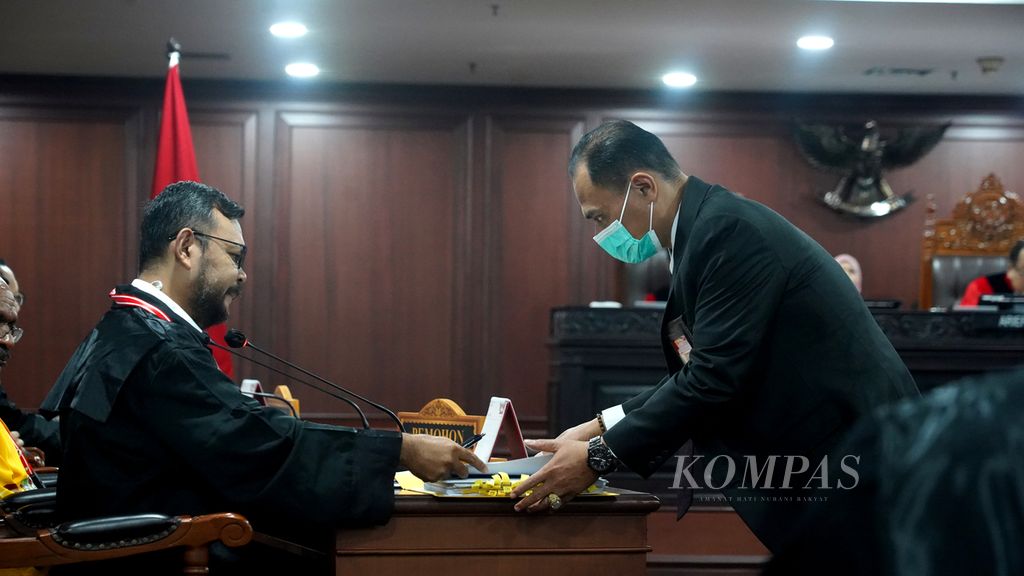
600 466
599 457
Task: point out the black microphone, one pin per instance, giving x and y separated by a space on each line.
236 339
366 423
269 395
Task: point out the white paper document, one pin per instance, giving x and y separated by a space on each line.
514 467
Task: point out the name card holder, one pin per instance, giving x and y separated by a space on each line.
285 393
501 421
442 417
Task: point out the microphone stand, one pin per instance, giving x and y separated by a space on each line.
362 416
281 398
245 343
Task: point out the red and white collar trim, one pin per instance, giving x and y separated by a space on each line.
135 302
155 291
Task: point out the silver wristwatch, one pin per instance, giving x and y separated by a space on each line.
599 456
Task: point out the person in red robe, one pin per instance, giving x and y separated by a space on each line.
1009 282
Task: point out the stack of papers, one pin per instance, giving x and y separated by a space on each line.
513 467
500 486
497 482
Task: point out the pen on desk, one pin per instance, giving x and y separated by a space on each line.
472 441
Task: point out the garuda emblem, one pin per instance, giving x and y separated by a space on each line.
862 191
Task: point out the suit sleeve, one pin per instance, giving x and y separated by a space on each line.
739 283
264 460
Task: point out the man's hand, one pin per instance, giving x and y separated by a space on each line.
17 438
433 458
584 431
566 475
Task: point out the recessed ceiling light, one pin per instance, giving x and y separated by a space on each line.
943 1
289 29
302 69
679 79
815 42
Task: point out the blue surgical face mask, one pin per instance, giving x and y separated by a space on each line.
618 242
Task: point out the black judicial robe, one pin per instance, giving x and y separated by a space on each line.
941 489
150 424
35 430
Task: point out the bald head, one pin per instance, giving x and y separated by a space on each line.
8 276
8 307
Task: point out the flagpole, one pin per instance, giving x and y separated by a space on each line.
176 161
173 52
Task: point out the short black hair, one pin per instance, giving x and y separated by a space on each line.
1015 252
184 204
614 150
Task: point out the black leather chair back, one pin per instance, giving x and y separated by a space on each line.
952 274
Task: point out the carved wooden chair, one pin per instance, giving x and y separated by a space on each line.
29 538
974 242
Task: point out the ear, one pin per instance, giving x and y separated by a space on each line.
646 185
186 248
1016 279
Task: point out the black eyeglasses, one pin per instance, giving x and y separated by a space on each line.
10 334
239 258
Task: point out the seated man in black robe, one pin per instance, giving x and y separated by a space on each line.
150 424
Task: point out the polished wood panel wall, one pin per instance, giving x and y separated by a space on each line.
755 156
67 228
409 242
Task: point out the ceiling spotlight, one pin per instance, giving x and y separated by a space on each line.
990 64
815 42
679 79
289 29
942 1
302 69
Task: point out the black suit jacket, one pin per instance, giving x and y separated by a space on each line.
785 355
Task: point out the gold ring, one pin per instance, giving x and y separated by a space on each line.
554 501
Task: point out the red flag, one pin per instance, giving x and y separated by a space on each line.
175 155
176 161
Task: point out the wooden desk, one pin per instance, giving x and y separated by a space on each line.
427 536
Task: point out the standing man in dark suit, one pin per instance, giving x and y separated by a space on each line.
770 350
